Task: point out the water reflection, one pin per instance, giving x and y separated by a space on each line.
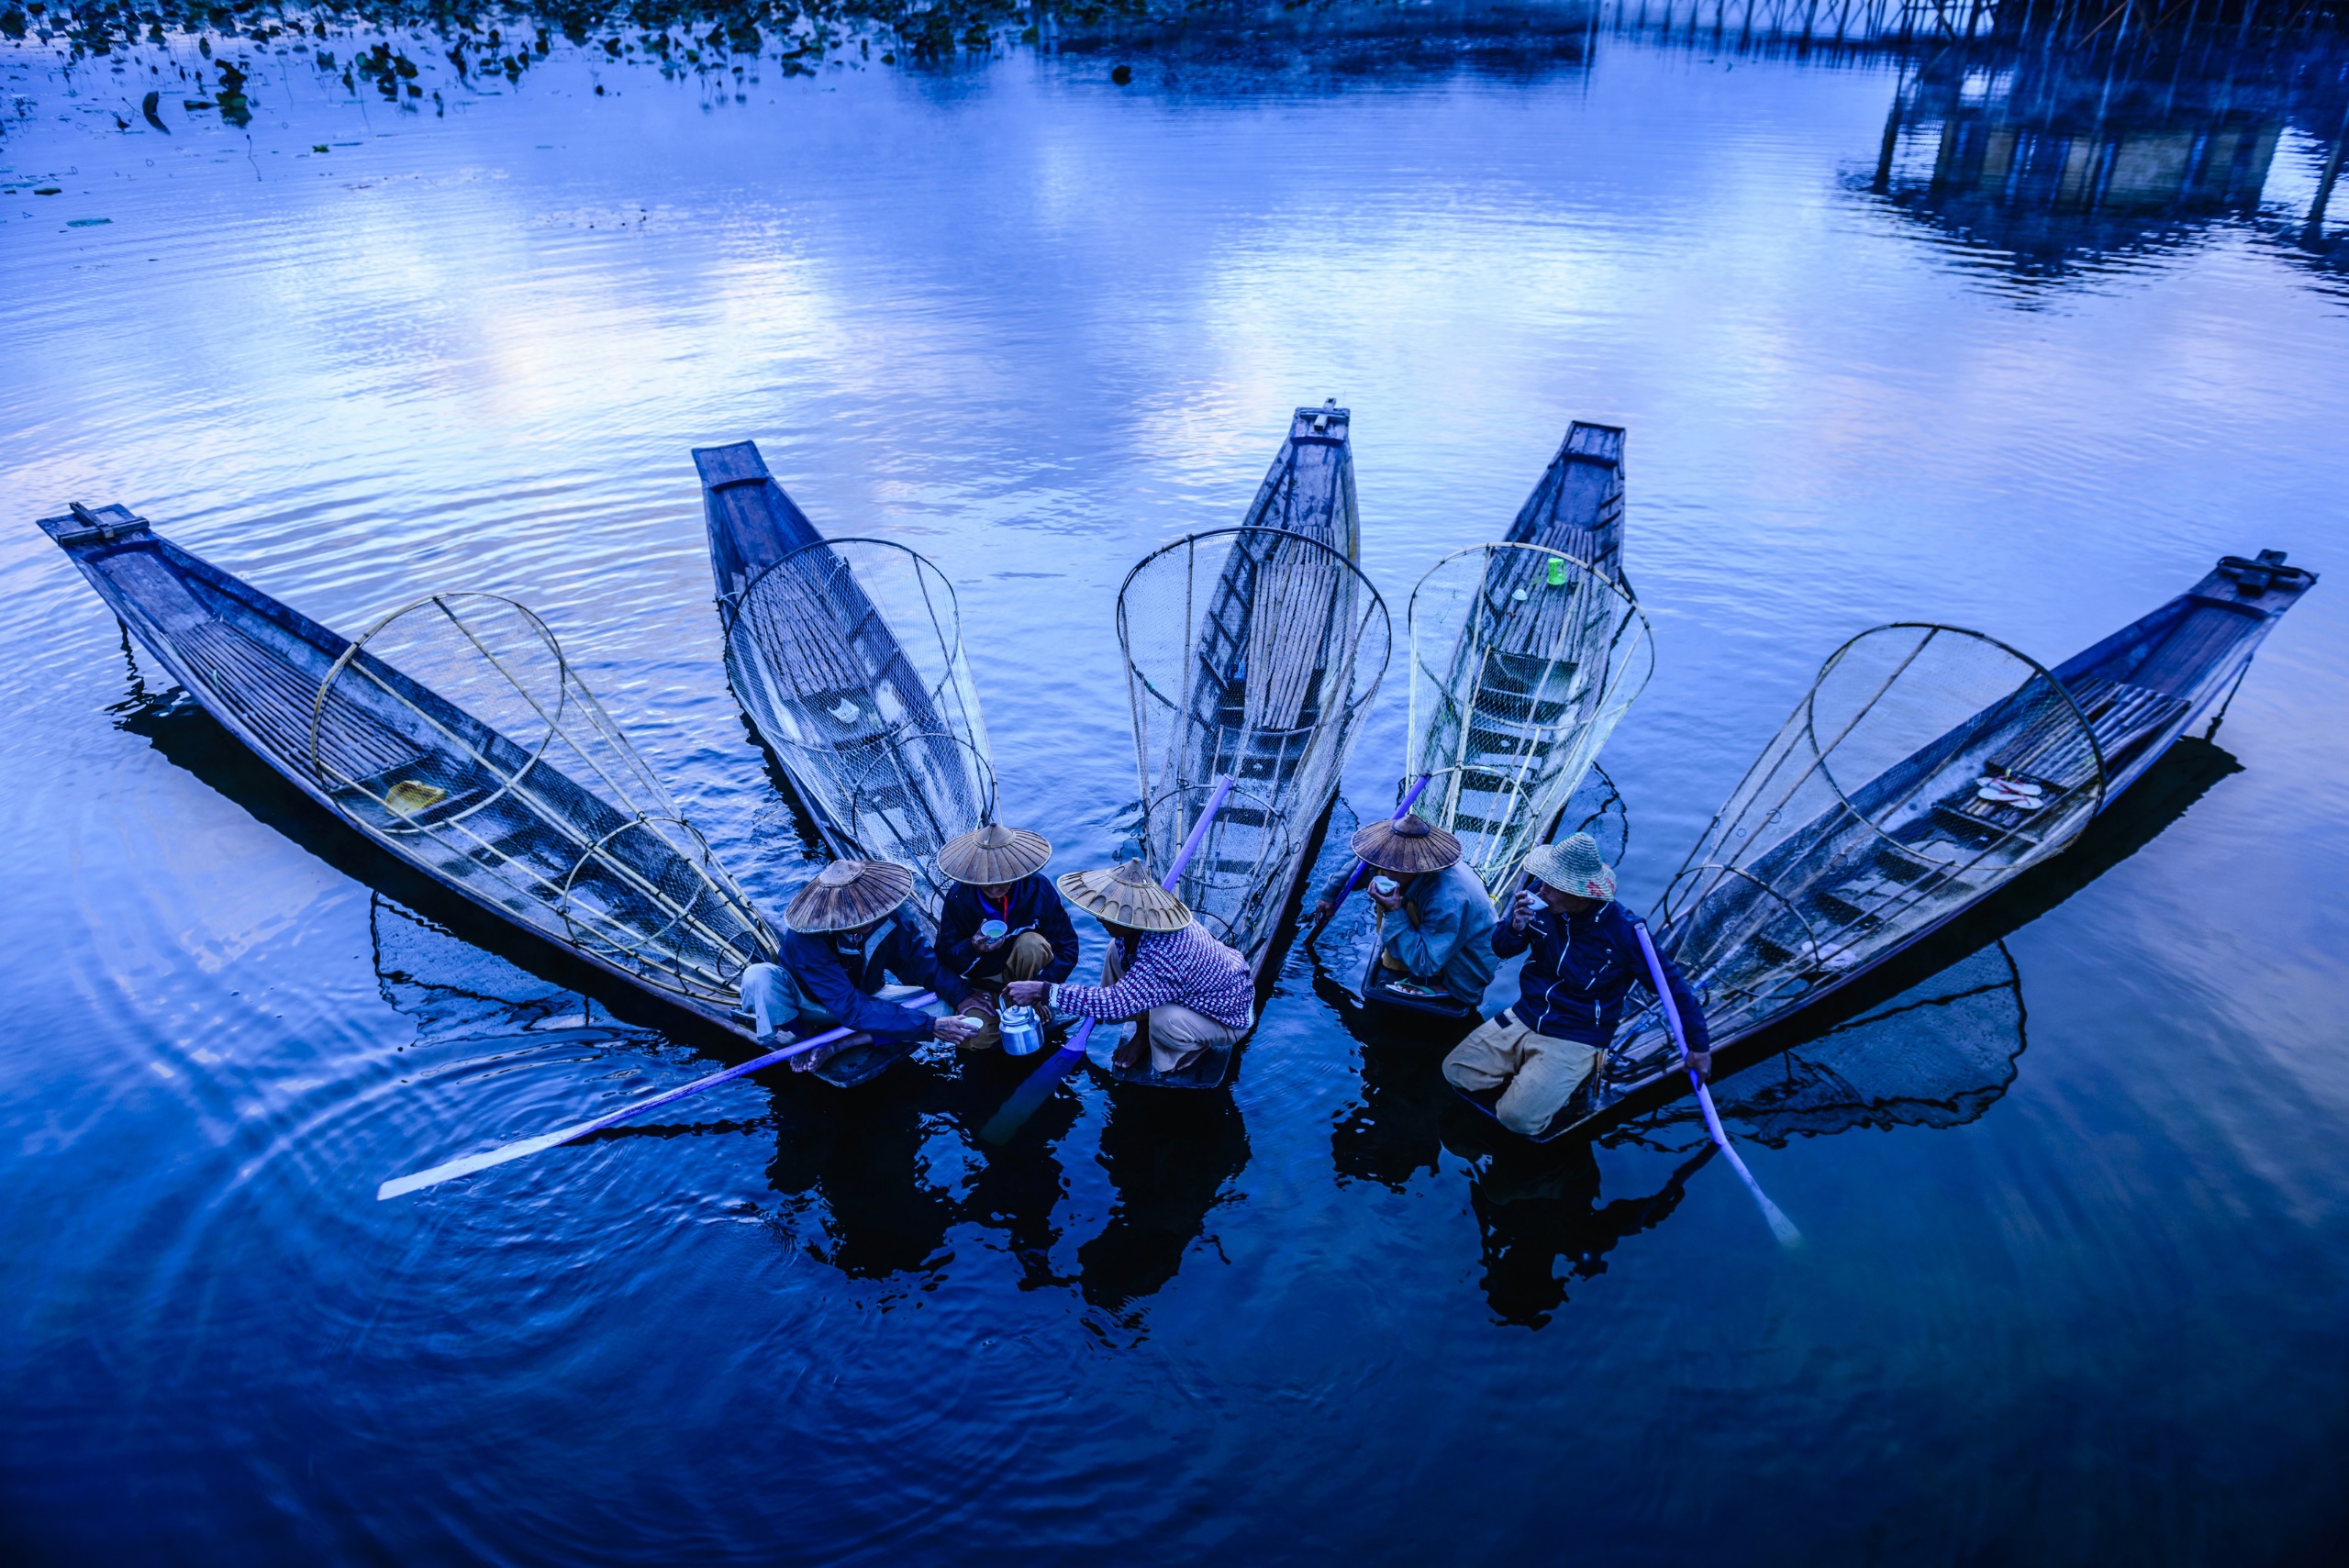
884 1178
2061 158
1535 1210
1933 1039
1168 1156
1938 1055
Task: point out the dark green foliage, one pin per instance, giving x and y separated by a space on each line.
801 34
235 107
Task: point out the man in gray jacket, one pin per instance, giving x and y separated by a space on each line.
1435 920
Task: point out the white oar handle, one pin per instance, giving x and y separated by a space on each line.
482 1162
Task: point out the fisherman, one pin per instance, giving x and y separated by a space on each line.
1196 993
1583 957
843 934
1435 920
1002 921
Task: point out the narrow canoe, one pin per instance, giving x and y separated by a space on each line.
846 654
1253 651
621 884
1769 924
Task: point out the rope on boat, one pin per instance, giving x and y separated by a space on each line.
1780 1226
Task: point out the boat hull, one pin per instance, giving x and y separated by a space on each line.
2193 650
152 586
1307 492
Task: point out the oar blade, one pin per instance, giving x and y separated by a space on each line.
399 1186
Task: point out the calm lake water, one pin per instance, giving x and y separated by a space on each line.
2077 1207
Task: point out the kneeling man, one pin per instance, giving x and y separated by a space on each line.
1196 992
1583 958
843 936
1435 928
1002 920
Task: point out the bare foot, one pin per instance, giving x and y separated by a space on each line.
1130 1055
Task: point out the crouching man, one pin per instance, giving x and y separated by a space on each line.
1196 993
1002 921
1435 920
1582 959
844 938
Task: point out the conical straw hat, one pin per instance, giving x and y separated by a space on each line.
995 853
1125 894
1407 847
846 894
1571 865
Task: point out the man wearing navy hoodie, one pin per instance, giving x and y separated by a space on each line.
1582 959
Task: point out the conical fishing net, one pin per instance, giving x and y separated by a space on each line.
850 655
1522 662
456 729
1926 766
1252 652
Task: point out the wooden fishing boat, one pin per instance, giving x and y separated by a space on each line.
1577 509
1253 653
847 655
552 824
1525 655
1872 819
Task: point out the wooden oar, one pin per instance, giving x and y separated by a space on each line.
1353 878
472 1162
1780 1226
1015 1112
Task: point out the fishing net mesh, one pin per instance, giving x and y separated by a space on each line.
1937 1056
1523 661
457 731
1252 652
850 654
1926 766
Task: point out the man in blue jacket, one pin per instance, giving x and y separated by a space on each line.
844 934
1002 921
1583 958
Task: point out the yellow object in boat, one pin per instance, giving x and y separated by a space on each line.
407 798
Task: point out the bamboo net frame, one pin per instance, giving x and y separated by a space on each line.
1523 662
1868 820
1253 653
850 654
615 871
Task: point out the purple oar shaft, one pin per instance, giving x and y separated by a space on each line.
1780 1226
1198 833
482 1162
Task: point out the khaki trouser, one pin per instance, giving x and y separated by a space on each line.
1025 959
1541 1071
1178 1033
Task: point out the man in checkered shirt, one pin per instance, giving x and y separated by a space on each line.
1196 993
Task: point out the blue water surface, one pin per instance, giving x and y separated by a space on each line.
2075 1208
